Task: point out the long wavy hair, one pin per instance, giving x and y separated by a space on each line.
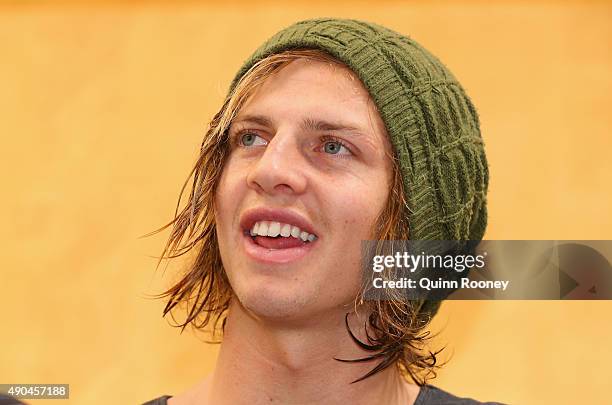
397 328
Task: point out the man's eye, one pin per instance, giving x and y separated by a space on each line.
335 148
251 139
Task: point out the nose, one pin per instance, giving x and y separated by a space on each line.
279 170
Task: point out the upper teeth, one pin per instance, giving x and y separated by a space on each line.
274 229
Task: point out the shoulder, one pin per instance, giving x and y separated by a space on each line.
429 395
158 401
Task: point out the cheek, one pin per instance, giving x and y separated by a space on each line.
361 207
229 193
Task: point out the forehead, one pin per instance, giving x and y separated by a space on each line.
307 88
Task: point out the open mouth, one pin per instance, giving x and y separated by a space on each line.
277 235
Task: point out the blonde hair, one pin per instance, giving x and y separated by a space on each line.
398 335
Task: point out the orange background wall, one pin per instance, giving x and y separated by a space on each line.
102 108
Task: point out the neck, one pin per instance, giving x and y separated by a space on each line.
264 361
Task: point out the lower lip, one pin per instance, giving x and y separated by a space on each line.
274 256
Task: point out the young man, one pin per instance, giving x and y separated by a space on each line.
333 132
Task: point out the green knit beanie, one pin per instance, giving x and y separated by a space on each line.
432 123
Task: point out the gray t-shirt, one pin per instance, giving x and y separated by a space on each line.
428 395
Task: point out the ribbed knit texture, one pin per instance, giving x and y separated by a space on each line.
432 123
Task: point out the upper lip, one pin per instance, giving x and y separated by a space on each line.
253 215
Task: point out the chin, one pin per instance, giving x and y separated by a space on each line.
275 302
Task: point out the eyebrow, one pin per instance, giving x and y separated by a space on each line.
307 124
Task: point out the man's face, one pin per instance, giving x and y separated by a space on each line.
308 158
